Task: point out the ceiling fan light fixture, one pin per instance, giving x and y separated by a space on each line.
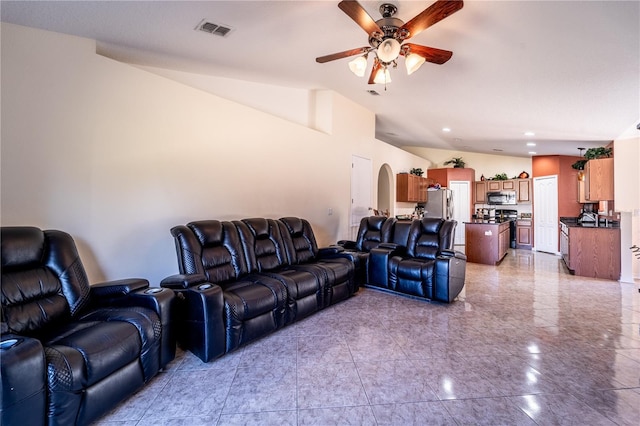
383 76
359 65
388 50
413 61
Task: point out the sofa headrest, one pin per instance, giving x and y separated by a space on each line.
259 227
22 246
208 232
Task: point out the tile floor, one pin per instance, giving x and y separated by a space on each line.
525 344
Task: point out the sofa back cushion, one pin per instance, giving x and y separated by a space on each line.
374 230
299 240
262 243
43 280
447 234
424 238
212 248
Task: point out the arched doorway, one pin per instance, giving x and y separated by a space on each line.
385 190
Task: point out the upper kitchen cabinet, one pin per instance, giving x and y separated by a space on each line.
501 185
523 188
411 188
444 176
598 179
480 192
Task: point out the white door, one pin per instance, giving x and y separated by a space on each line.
545 213
360 189
461 192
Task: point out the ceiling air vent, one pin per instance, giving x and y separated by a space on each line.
373 93
211 28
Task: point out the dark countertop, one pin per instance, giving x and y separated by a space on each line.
572 222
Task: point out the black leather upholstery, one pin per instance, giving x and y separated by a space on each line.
241 280
424 265
77 351
372 231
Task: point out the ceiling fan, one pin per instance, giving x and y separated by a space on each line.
387 38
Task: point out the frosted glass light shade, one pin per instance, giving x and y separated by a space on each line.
383 76
413 62
358 66
388 50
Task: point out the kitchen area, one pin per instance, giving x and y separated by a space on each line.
502 219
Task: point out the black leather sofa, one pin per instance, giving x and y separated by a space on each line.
240 280
70 351
372 231
419 261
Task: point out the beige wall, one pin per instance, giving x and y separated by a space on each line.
116 155
484 164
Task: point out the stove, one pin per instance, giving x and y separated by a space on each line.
509 215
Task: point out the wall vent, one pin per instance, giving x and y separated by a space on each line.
212 28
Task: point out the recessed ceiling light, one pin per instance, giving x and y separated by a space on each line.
532 152
446 129
529 134
531 144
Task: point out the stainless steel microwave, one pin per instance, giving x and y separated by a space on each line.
501 198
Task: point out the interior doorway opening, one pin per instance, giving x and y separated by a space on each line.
385 202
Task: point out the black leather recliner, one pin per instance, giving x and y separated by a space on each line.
426 266
372 231
70 352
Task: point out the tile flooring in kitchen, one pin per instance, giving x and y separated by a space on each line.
526 343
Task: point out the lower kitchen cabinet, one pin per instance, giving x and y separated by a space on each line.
591 251
486 243
524 234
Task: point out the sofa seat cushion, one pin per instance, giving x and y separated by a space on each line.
87 352
305 288
254 306
412 276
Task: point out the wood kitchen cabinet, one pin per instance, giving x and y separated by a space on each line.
480 192
598 182
524 234
523 189
486 243
591 252
411 188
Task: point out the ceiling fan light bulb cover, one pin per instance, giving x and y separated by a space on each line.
413 61
388 50
383 76
358 66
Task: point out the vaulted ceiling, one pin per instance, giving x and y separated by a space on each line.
568 71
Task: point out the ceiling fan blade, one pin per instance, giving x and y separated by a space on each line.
359 15
430 54
431 15
340 55
376 66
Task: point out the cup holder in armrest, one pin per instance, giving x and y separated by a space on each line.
8 344
205 286
153 290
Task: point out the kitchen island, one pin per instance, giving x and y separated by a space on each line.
486 241
590 251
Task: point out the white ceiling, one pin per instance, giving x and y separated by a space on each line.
568 71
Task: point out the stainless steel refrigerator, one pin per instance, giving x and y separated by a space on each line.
439 204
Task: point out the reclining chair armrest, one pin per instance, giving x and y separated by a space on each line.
378 263
449 275
183 281
347 244
329 251
453 253
137 293
24 378
118 288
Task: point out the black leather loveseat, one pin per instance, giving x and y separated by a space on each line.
70 352
419 261
240 280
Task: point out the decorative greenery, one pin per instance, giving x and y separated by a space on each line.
501 176
579 165
417 172
594 153
457 162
